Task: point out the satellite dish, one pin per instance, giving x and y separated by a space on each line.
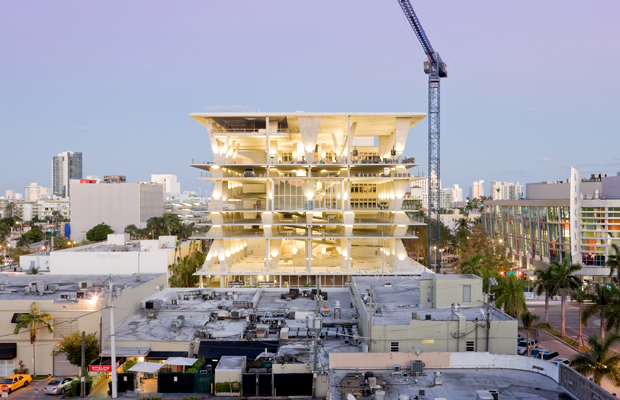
350 397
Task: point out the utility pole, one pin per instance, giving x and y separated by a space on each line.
112 338
315 325
492 282
83 386
370 320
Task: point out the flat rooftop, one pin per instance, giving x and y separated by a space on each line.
14 285
460 384
402 297
197 312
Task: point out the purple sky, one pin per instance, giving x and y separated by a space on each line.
532 89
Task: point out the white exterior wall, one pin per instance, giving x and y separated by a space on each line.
116 204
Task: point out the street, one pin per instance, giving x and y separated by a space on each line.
547 341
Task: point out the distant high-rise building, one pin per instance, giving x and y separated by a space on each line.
476 190
34 192
457 194
10 194
506 190
65 166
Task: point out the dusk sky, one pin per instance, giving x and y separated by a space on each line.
532 88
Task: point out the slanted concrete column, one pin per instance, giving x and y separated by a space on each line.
402 129
309 129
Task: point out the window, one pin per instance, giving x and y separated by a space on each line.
470 346
394 347
467 294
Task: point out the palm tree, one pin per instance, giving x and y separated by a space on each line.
544 284
511 296
31 321
601 362
23 241
600 300
613 262
564 283
472 265
528 319
580 297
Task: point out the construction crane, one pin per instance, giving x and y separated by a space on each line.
435 69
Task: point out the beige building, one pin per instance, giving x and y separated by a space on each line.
115 204
301 197
431 313
77 303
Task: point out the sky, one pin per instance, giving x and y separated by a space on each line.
532 87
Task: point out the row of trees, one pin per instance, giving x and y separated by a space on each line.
167 224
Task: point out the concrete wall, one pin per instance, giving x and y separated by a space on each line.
80 312
374 361
116 204
447 291
41 260
122 263
446 336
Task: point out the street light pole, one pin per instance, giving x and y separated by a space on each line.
492 282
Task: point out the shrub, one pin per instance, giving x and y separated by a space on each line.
76 387
228 387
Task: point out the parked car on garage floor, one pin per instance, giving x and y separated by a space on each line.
58 385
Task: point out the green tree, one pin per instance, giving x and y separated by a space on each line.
510 296
544 284
99 233
182 272
528 320
23 241
613 262
580 296
133 231
472 265
564 283
32 321
601 298
601 361
34 235
71 346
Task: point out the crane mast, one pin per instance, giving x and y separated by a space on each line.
436 69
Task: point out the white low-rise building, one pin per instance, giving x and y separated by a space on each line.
118 255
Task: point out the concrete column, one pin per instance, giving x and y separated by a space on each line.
349 255
200 278
267 255
309 129
268 152
309 255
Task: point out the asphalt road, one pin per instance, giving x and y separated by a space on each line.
30 392
537 307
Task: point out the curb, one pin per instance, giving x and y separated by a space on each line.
561 341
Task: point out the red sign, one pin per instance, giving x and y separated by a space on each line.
100 368
5 388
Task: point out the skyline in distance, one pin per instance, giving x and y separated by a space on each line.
117 81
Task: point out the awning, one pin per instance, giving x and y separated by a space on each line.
108 360
126 351
164 355
180 361
8 351
15 315
146 367
215 349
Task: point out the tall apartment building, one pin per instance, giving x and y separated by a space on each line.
477 189
577 219
457 194
506 190
115 204
304 196
65 166
34 192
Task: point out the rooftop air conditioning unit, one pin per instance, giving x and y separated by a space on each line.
64 297
53 287
81 295
2 287
235 314
86 285
415 316
387 284
138 278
